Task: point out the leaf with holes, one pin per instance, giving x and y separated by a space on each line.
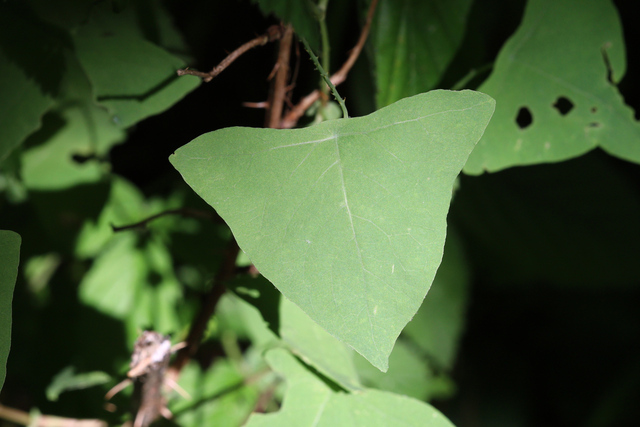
554 100
347 218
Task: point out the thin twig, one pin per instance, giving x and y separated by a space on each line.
340 76
209 304
19 417
261 104
326 78
273 33
186 212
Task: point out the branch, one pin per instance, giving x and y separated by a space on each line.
273 33
340 76
186 212
19 417
279 84
228 269
226 272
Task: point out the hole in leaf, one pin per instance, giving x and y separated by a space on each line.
524 118
563 105
82 158
605 56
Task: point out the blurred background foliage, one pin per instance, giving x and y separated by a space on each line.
533 317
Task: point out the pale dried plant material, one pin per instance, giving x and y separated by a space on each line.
149 363
19 417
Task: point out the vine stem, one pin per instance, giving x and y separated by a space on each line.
198 327
326 77
340 76
185 212
324 35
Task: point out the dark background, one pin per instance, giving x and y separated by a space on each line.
553 327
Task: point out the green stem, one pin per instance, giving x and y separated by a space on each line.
471 75
326 78
324 34
325 49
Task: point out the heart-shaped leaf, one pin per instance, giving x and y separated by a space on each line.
347 218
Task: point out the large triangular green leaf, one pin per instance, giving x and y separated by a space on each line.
347 218
415 40
9 258
311 402
556 66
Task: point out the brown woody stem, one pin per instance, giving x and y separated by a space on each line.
186 212
340 76
273 33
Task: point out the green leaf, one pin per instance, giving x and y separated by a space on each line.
9 259
26 86
66 150
22 106
437 326
300 334
408 373
67 380
244 320
74 137
220 396
132 277
134 284
261 294
347 218
132 77
316 347
310 402
558 60
429 342
137 19
415 40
